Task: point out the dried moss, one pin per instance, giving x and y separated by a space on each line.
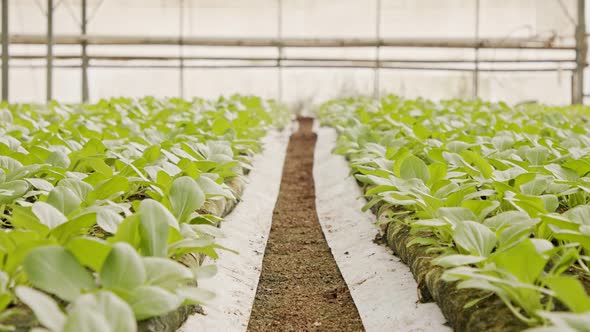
169 322
490 314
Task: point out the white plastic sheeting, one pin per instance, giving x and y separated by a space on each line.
381 286
246 230
301 18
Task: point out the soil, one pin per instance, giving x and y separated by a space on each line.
300 288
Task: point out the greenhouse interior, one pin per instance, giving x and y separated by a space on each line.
294 165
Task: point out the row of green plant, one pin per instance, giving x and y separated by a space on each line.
501 193
100 202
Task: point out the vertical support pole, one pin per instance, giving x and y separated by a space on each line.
376 76
280 50
581 52
476 60
5 55
49 82
84 55
181 50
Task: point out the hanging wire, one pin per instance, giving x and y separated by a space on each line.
72 13
41 8
95 11
566 12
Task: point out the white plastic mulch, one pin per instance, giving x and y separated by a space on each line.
381 286
246 230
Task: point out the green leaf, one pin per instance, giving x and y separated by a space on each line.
203 245
437 171
89 251
570 291
550 202
151 301
481 208
522 260
205 229
40 184
579 214
24 218
10 191
58 159
44 307
482 165
80 188
205 271
48 215
413 167
574 237
128 231
185 197
220 125
502 142
154 220
108 218
9 164
456 214
64 199
194 295
55 270
474 238
212 188
564 322
537 155
122 269
109 188
116 314
77 226
535 187
457 260
533 205
166 273
81 319
562 173
506 219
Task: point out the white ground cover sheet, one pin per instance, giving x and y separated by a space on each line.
382 287
246 230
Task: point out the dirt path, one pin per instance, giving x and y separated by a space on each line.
300 287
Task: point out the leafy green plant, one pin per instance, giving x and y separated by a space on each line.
499 192
98 202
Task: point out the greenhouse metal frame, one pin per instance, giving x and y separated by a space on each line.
576 63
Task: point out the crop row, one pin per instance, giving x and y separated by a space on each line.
488 204
107 210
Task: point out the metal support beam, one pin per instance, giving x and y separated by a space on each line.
476 71
548 60
49 81
319 66
581 53
84 45
376 77
494 43
5 54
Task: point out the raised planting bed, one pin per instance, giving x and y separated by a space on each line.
487 204
108 210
